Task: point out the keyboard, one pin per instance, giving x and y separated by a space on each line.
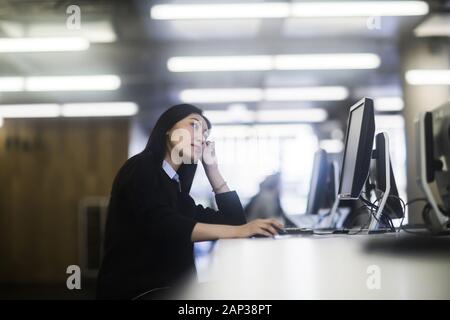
331 231
288 231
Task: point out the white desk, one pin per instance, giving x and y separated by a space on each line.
328 267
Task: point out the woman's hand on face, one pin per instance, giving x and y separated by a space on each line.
209 158
265 227
211 167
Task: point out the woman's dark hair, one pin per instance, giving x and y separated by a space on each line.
156 144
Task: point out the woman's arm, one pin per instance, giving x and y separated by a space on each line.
230 210
216 180
210 164
230 207
205 231
230 215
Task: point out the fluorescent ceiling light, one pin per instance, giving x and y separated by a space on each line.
10 84
256 94
219 11
95 109
218 63
306 94
99 31
299 115
278 62
359 8
239 113
388 104
60 83
327 61
93 31
103 109
428 77
12 29
43 44
72 83
226 117
221 116
268 116
221 95
29 111
285 10
313 27
437 25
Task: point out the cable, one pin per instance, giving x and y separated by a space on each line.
425 209
393 211
367 202
402 227
149 291
388 219
370 206
372 210
416 200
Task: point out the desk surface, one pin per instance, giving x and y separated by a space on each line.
388 266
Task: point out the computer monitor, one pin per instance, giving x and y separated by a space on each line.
441 142
334 217
332 184
316 195
393 207
433 160
358 149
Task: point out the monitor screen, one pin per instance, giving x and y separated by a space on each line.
351 150
439 160
318 182
358 149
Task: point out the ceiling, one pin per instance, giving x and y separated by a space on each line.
127 42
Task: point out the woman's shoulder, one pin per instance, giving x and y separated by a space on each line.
137 170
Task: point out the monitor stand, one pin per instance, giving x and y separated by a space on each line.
332 217
438 221
374 221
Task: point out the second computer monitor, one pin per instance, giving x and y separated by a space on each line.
393 208
318 182
441 152
433 154
358 149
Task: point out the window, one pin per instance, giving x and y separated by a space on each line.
248 153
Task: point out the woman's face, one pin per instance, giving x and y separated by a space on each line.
187 138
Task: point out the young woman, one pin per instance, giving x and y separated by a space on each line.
152 221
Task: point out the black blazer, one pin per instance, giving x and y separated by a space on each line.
148 230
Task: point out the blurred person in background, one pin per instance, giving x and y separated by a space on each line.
266 203
153 221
